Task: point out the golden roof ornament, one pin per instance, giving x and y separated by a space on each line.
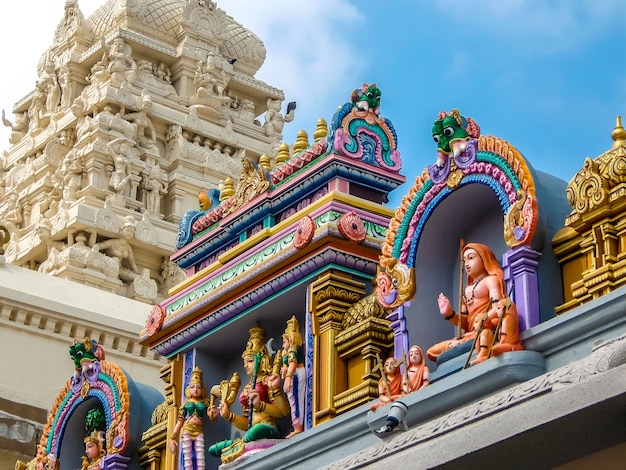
321 129
302 141
264 162
228 190
595 189
283 154
618 134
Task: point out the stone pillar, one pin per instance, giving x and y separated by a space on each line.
332 294
520 266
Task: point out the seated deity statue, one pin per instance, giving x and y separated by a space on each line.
485 309
262 402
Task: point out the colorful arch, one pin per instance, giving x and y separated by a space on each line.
486 160
107 383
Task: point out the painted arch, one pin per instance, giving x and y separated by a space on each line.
105 382
485 160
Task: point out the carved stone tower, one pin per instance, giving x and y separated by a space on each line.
138 110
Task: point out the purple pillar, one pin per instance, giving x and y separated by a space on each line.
401 335
114 462
520 267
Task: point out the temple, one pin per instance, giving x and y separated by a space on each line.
231 300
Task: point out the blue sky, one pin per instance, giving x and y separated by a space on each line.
549 76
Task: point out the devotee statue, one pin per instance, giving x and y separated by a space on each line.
484 317
294 374
416 372
190 420
262 402
390 383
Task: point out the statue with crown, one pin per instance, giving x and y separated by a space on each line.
263 401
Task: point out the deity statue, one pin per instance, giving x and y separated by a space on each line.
37 110
50 85
190 418
71 174
262 402
94 451
293 374
484 317
67 87
11 213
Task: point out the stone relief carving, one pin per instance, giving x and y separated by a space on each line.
18 129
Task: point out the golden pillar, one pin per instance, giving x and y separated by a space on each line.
155 455
332 294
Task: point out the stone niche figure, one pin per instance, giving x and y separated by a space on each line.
170 275
155 183
50 85
37 119
11 214
145 135
118 58
121 250
18 129
72 174
67 87
210 81
119 151
274 120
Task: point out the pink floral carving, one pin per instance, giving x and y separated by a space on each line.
155 320
351 227
304 232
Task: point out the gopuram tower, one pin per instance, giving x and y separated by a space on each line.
137 110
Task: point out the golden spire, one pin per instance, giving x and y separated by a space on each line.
283 154
618 134
302 141
264 162
321 129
